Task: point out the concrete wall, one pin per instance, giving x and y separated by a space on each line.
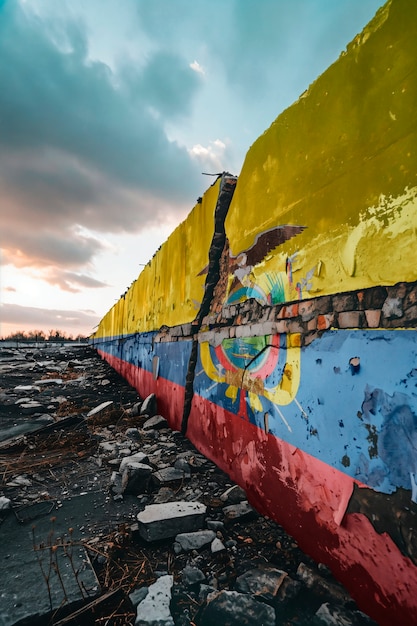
284 344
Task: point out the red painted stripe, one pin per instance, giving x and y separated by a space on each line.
303 494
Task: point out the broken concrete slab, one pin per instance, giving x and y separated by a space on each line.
154 609
161 521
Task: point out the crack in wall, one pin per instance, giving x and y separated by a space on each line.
218 242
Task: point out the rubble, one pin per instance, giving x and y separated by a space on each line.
161 534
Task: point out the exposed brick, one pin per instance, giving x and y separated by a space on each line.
288 311
397 291
373 318
281 327
374 297
312 324
325 321
324 305
349 319
307 310
411 314
345 302
411 297
295 326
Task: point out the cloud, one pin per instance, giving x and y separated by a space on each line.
210 157
196 67
81 144
34 317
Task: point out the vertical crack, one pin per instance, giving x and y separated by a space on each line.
227 188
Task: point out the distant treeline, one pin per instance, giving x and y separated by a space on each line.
40 335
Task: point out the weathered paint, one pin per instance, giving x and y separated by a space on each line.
285 343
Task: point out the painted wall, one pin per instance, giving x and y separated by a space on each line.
285 345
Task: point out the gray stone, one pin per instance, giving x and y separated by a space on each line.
215 525
149 406
236 609
332 616
165 494
192 576
154 609
135 478
195 540
238 511
138 457
156 422
101 407
29 408
320 585
234 495
262 582
168 475
133 433
48 381
27 388
5 503
217 546
138 595
161 521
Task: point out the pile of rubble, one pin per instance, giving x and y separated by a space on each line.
109 517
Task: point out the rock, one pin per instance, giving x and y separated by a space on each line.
192 576
154 609
133 433
331 615
238 511
234 495
321 586
49 381
138 457
161 521
168 475
165 494
262 582
138 595
101 407
5 503
29 408
195 540
155 423
149 406
215 525
27 388
217 546
236 609
135 478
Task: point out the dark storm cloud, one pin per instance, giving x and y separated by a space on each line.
53 318
78 146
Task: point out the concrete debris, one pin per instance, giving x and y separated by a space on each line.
154 609
149 406
101 407
163 534
236 609
193 541
161 521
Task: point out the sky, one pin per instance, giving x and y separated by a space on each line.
110 112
